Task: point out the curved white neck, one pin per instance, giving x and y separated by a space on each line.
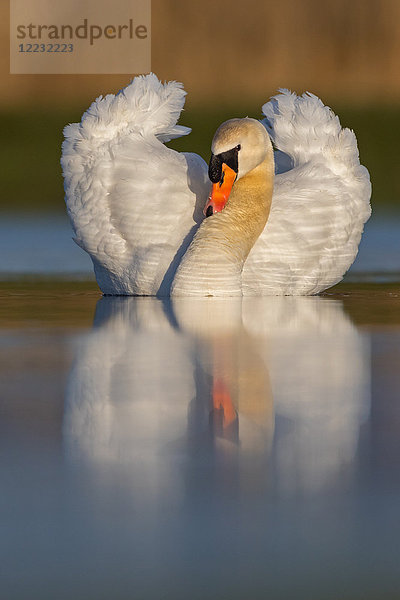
213 263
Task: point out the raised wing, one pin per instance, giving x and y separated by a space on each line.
320 201
134 203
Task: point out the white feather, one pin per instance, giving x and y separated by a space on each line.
319 205
135 204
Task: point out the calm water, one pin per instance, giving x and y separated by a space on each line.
203 449
43 246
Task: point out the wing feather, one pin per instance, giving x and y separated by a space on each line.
320 201
132 201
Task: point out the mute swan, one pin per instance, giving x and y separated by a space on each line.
136 206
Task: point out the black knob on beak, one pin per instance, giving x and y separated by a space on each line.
215 168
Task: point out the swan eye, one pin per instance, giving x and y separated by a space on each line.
238 147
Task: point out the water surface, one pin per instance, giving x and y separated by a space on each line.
43 245
199 448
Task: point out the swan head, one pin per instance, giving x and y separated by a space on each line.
238 147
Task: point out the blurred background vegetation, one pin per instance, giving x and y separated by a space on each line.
231 56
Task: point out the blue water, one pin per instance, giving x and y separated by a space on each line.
203 449
43 245
200 448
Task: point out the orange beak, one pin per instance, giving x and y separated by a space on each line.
220 191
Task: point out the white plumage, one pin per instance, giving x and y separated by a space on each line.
135 204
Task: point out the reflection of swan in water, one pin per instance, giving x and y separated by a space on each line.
148 381
229 373
140 379
125 391
319 367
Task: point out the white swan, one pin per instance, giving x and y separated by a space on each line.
136 205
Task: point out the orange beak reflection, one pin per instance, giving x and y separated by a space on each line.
220 191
